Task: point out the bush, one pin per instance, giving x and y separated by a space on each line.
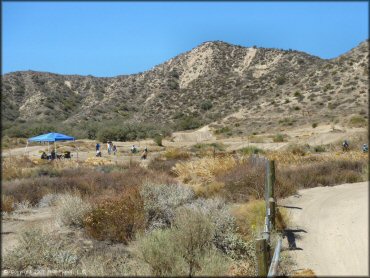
175 153
160 202
225 237
314 125
358 121
185 248
279 138
298 150
325 173
280 80
187 123
206 105
193 233
7 203
117 219
158 140
251 150
88 182
319 149
245 180
71 210
159 250
37 248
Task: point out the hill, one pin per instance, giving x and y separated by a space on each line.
236 89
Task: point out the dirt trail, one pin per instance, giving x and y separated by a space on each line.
13 225
330 229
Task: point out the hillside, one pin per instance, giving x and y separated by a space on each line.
247 89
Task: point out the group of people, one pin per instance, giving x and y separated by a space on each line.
113 148
53 155
345 146
110 148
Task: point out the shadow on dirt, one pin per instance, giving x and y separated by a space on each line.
291 237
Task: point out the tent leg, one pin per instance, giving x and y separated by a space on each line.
48 148
25 150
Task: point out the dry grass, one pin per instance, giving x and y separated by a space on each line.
175 153
15 167
7 203
250 217
203 170
243 182
324 173
289 158
94 183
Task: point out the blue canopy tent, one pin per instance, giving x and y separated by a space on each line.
50 137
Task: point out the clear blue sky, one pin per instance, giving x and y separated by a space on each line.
113 38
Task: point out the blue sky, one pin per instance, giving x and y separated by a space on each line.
113 38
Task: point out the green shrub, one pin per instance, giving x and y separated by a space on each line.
251 150
279 138
187 123
158 140
319 149
184 249
358 121
314 125
223 130
280 80
206 105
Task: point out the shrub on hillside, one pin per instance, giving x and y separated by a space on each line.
279 138
187 123
206 105
358 121
117 219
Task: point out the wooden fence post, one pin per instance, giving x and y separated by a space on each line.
262 257
271 179
271 192
272 206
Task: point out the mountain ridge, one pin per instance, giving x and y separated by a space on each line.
204 85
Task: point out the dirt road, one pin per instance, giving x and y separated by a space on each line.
329 229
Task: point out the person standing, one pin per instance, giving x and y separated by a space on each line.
97 147
108 147
114 149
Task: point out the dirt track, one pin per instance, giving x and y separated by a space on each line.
330 229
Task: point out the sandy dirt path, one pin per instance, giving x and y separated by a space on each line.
329 229
13 225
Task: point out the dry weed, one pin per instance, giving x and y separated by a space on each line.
203 170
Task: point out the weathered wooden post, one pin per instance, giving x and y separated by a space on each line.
271 192
272 206
271 179
262 256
